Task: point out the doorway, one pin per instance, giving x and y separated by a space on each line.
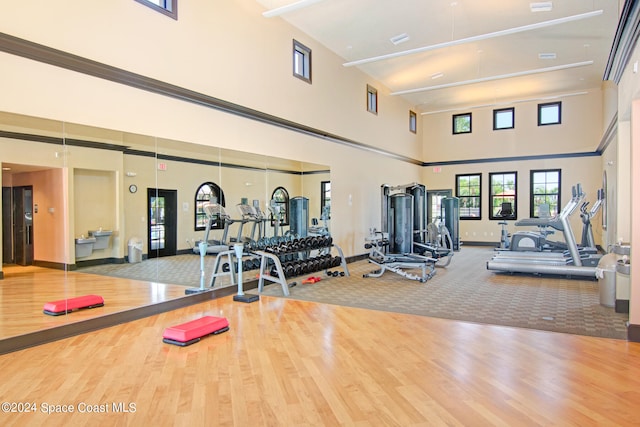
434 204
17 225
162 222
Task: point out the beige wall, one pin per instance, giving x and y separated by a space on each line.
580 131
206 51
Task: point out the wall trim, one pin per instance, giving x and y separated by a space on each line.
48 55
624 41
513 159
142 153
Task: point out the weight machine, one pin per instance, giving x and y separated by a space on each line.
406 242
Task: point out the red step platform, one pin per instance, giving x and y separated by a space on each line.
191 332
64 306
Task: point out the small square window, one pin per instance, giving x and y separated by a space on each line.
413 122
301 61
461 123
550 113
166 7
372 99
503 118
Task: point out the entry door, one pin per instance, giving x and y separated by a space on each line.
7 226
162 222
23 225
434 203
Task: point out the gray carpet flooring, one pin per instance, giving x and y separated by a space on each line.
465 290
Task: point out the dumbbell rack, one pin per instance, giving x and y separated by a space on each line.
271 256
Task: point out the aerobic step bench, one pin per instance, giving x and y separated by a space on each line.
191 332
64 306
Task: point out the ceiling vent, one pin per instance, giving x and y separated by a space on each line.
542 6
546 56
400 38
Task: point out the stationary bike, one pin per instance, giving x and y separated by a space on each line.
506 211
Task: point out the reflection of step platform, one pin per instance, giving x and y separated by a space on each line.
64 306
191 332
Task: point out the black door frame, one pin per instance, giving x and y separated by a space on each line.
166 224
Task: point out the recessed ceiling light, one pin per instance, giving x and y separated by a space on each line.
400 38
542 6
549 55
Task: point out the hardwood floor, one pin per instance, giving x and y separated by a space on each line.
25 290
289 363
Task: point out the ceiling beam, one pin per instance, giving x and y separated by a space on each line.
491 78
500 33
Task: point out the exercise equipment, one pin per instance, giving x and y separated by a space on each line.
277 217
531 252
215 214
403 241
191 332
241 296
288 256
505 212
321 230
299 216
64 306
587 240
253 215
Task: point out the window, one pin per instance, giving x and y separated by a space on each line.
545 190
207 193
503 195
301 61
167 7
372 99
549 113
468 194
413 122
280 198
325 199
503 118
461 123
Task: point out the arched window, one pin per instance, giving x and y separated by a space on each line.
207 192
280 197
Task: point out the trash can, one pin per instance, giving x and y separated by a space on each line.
623 285
606 274
134 253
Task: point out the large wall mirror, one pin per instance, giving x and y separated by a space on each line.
136 195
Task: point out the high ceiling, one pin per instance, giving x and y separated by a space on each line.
480 52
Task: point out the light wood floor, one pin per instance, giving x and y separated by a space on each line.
293 363
25 290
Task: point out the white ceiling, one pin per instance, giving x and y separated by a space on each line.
361 29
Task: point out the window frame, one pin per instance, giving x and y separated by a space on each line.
532 195
300 50
171 11
456 118
502 198
498 111
325 188
285 203
413 122
477 197
198 212
545 105
372 99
